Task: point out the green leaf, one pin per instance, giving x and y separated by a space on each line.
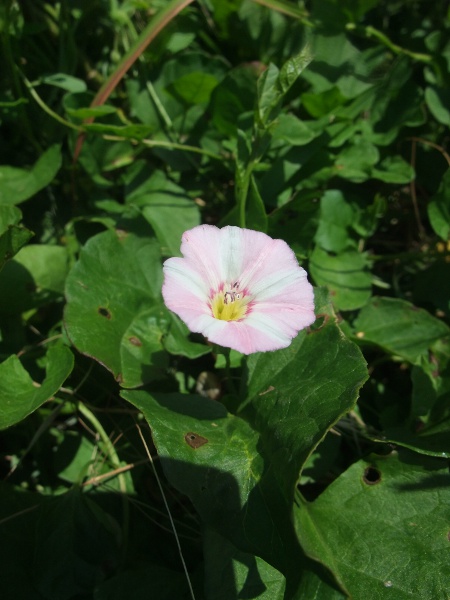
438 101
89 112
430 441
170 216
66 82
274 84
293 68
319 105
20 395
177 341
234 95
356 161
166 207
256 217
346 276
399 327
75 527
34 277
129 132
336 217
296 400
292 130
12 240
400 505
17 185
394 169
439 209
213 458
193 88
296 222
269 94
242 575
113 310
9 215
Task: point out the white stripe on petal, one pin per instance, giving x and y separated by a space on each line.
180 277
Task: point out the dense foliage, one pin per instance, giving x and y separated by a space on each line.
137 460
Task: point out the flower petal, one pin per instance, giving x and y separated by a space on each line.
202 250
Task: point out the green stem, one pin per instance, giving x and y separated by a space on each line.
111 451
175 146
370 31
243 193
115 463
288 9
47 109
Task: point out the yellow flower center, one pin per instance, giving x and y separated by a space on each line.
229 305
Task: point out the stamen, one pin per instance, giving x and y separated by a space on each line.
230 303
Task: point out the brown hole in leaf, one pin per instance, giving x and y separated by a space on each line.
121 234
135 341
104 312
371 476
194 440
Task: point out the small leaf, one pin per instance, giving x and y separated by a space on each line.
17 185
399 327
256 217
66 82
438 100
12 240
20 395
346 275
336 217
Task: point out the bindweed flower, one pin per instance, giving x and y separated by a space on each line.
239 288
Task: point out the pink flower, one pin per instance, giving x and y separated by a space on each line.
239 288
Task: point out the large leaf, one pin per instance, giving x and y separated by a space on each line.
300 392
383 526
20 395
17 185
213 458
399 327
113 310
